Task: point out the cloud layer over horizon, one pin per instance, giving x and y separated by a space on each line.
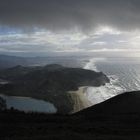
69 25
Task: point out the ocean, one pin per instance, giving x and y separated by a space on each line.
124 75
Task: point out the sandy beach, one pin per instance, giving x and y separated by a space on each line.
80 99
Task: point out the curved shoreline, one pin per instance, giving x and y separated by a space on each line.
80 99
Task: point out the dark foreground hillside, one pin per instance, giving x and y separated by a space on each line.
118 118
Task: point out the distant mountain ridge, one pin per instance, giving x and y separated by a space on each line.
7 61
10 61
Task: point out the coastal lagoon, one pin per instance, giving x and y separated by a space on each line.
28 104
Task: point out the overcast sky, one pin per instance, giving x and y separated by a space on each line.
69 26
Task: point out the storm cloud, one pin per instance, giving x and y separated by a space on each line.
67 26
83 15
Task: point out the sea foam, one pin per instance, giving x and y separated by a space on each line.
99 94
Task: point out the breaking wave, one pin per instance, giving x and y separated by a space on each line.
99 94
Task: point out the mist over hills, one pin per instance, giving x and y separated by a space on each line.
8 61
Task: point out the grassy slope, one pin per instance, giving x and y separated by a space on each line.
87 125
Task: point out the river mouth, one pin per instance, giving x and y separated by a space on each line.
29 104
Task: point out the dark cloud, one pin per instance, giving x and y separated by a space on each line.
69 14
